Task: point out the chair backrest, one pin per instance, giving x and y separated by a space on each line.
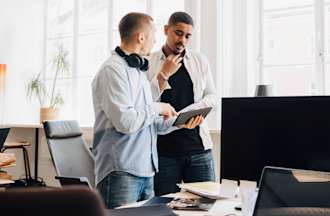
3 136
67 201
71 156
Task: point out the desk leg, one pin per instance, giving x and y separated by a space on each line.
36 156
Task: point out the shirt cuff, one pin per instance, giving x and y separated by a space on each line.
157 108
170 121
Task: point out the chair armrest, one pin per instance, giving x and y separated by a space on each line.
71 180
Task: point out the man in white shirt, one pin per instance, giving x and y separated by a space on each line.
182 78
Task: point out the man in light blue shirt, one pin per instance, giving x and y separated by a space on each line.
126 118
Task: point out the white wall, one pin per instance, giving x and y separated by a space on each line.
21 40
239 47
206 39
209 42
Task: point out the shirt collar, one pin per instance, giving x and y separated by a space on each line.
161 55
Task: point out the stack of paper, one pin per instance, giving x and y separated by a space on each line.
212 190
7 159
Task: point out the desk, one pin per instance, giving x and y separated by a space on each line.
221 207
36 127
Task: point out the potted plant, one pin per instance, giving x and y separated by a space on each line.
50 101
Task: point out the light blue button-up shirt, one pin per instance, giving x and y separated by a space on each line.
127 121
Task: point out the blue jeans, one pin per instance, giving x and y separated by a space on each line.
193 168
120 188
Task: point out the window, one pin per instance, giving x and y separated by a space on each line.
289 46
88 30
326 56
285 43
295 42
92 50
60 32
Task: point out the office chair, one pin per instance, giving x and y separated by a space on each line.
72 159
67 201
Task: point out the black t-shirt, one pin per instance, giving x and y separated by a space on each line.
183 141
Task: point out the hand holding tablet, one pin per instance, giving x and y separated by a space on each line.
184 117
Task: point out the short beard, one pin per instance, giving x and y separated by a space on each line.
173 50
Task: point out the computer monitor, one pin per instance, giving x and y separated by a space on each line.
289 132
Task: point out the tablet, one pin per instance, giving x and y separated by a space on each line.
184 117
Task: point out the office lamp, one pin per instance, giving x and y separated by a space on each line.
3 69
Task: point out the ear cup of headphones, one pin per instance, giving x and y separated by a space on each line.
134 60
145 65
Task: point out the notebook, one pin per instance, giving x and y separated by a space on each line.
3 136
285 191
211 190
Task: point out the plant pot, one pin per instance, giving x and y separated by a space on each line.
48 113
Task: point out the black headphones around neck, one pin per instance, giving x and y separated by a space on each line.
134 60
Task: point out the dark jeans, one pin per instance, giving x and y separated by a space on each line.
194 168
120 188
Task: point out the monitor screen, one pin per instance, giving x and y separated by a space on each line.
289 132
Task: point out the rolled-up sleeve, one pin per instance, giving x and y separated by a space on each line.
156 92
